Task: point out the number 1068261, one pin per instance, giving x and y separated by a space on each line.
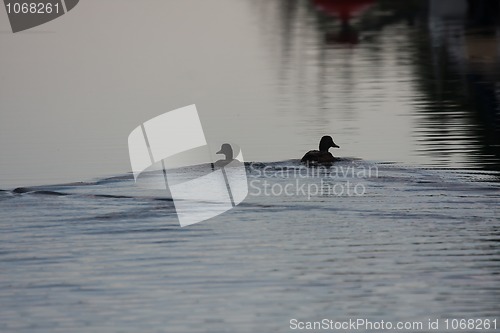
32 8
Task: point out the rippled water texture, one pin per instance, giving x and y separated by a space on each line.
403 81
107 256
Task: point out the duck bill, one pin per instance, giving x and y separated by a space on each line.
335 146
219 152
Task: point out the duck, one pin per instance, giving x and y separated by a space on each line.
227 150
322 155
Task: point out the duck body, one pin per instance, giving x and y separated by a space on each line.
321 156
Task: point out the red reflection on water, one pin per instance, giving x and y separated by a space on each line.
345 10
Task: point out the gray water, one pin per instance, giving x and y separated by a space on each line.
106 256
404 227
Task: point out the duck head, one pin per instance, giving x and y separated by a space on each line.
327 143
226 150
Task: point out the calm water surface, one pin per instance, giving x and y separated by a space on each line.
409 91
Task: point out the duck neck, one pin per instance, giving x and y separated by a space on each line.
324 147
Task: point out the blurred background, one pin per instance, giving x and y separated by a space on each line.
411 82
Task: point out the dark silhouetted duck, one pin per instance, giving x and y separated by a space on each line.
227 150
322 155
